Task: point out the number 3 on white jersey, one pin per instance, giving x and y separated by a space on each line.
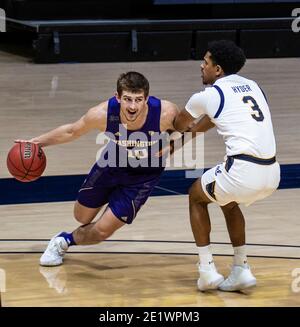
257 113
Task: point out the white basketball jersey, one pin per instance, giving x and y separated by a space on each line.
238 108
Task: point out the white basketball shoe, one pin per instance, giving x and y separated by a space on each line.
53 255
239 279
209 279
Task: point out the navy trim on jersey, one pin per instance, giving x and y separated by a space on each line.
262 91
221 106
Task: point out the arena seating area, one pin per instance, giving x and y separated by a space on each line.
132 30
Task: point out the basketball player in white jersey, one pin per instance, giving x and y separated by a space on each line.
239 110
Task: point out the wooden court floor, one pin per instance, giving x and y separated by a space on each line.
153 261
150 263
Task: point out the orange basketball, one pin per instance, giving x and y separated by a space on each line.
26 161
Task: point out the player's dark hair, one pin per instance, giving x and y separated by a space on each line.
134 82
228 55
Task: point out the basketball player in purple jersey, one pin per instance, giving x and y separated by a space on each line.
128 168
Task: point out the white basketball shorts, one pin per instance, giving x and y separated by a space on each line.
245 182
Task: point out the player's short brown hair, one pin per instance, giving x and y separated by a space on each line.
133 82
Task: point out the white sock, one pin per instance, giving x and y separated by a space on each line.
240 257
205 257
